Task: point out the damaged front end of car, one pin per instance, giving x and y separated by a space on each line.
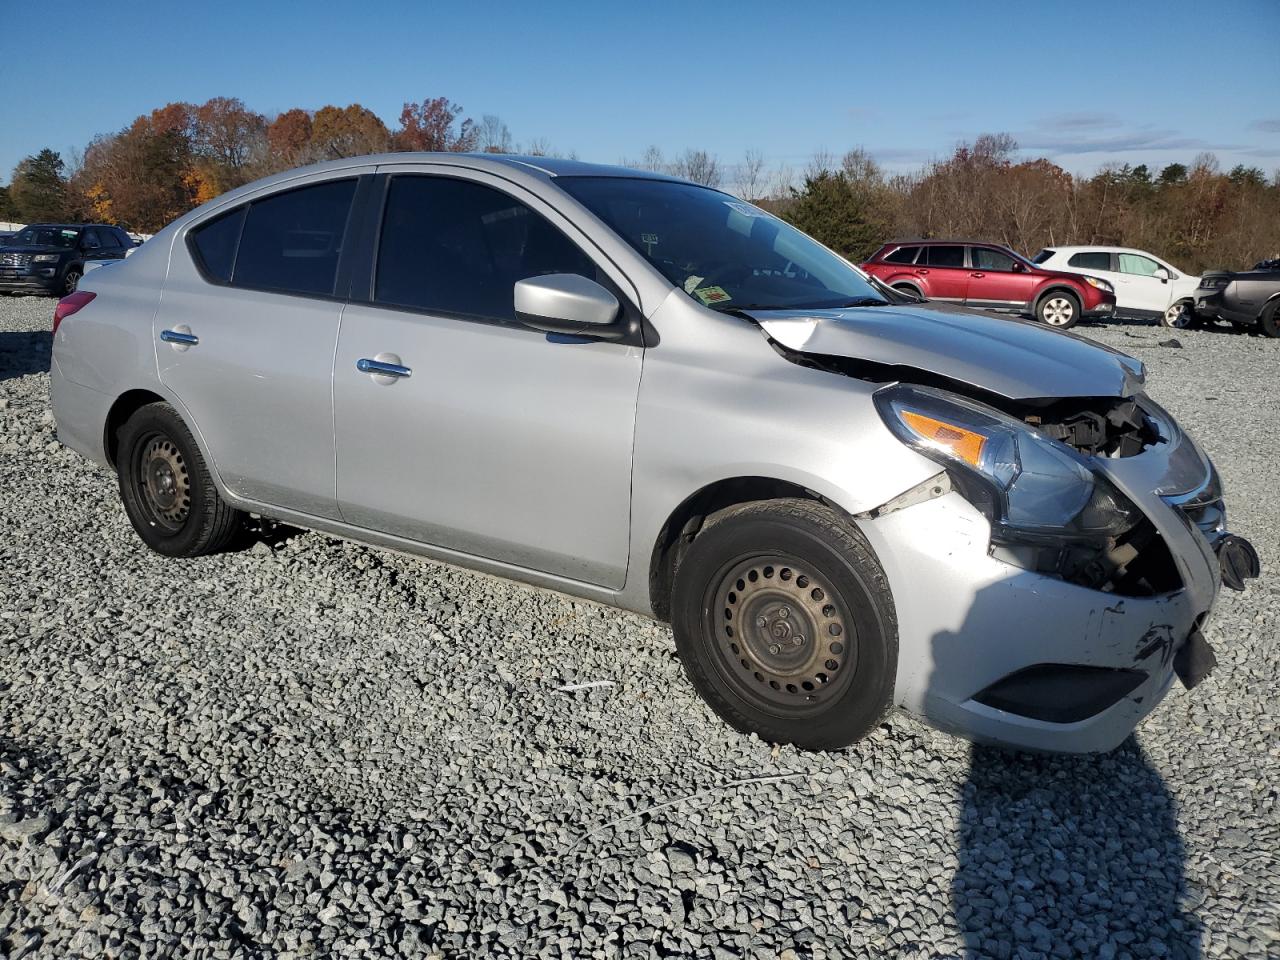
1060 618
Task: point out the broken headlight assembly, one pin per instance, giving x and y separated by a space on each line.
1034 490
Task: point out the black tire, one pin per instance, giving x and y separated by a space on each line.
785 624
909 290
1059 309
1180 316
166 487
1269 322
71 280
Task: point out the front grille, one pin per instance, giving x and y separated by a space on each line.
15 259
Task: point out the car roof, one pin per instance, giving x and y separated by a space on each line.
513 167
543 167
1100 248
934 241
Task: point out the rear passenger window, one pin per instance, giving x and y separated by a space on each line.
1090 261
214 245
944 256
291 241
903 255
457 247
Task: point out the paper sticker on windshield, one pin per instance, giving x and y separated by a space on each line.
710 295
691 284
746 209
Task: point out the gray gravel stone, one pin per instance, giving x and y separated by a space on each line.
311 748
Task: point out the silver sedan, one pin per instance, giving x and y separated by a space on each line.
651 394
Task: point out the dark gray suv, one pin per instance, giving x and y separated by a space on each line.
51 257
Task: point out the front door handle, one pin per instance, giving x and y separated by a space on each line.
180 337
382 368
977 274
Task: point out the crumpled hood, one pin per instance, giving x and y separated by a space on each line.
1017 359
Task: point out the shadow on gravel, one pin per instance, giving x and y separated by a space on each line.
1071 856
23 353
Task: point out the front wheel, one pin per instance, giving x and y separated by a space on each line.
71 280
1059 309
167 489
1179 316
785 625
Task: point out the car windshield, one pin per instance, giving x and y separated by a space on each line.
45 237
722 252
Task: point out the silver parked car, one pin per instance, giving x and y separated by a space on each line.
648 393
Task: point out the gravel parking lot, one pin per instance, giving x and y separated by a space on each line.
312 748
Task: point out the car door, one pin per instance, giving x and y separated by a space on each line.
942 269
245 334
1138 290
497 441
996 282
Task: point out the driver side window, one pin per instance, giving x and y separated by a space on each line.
984 258
457 247
1138 266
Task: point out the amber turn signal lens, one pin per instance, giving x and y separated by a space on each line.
965 444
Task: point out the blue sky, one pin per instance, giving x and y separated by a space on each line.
1083 83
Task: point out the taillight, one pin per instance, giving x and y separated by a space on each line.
70 304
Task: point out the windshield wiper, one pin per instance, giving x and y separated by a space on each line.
863 302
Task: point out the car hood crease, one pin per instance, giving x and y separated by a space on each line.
1016 359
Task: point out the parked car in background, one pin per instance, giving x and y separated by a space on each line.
51 257
841 499
1147 288
1249 300
990 277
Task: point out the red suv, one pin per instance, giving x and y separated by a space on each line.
990 277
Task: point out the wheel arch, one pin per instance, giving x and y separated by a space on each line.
687 519
1056 286
125 406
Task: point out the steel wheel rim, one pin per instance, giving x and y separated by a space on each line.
164 483
780 635
1058 311
1178 316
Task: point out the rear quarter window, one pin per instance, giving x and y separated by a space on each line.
1043 255
903 255
213 245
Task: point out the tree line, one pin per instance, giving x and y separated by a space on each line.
1196 217
182 154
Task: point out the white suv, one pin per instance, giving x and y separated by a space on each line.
1146 286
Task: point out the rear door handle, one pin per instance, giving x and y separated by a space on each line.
977 274
382 368
179 336
921 273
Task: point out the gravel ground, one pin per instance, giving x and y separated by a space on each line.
311 748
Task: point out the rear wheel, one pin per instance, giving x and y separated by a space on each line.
1180 315
1269 322
1059 309
166 487
785 624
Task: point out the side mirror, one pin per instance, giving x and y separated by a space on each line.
1161 274
570 304
1019 267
